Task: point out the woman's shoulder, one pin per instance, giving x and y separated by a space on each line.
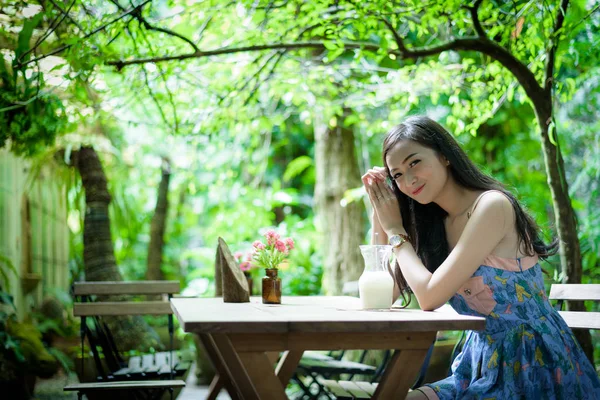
492 201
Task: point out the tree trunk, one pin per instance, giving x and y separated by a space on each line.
342 226
157 230
564 215
98 252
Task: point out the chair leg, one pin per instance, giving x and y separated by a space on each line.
319 387
305 389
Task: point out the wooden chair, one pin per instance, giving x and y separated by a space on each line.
579 292
317 368
140 379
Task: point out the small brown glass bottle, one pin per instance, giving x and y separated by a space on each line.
271 287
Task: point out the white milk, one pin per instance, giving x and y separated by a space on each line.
376 289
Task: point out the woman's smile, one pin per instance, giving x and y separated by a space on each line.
419 190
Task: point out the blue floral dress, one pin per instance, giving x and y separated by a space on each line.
526 351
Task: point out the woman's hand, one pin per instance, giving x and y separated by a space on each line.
378 235
384 201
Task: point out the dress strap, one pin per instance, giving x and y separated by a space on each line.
479 198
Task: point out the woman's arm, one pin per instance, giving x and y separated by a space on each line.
488 225
378 235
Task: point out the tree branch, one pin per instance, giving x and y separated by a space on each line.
232 50
203 27
256 75
593 10
138 15
166 84
554 41
397 37
66 14
63 48
55 24
525 77
481 44
475 16
266 78
153 96
169 32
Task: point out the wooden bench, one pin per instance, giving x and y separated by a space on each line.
128 385
348 390
144 377
577 292
313 369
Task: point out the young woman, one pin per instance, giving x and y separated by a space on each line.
459 236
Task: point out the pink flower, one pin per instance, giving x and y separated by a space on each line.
249 256
290 243
258 245
272 237
238 255
280 246
245 266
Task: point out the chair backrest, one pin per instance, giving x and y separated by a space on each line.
577 292
101 307
573 291
103 304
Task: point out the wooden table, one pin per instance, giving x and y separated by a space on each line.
239 339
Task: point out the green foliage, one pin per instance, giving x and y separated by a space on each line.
6 266
31 116
22 350
241 124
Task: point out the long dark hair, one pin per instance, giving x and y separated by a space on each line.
424 223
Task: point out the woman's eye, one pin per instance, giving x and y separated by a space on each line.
413 163
398 175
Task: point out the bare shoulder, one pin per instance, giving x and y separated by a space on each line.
494 207
493 198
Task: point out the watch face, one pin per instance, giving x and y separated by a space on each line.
395 240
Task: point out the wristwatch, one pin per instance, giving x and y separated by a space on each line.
398 240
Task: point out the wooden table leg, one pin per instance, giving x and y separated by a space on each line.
287 365
262 374
237 371
221 378
400 373
215 387
273 356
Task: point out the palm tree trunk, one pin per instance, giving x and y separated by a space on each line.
98 252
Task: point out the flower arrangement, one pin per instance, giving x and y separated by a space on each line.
245 263
274 252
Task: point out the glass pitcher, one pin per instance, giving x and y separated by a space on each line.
376 285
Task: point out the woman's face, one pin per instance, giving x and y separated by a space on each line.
419 171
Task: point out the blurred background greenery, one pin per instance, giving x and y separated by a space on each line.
264 114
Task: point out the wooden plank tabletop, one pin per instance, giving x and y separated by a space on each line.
311 314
